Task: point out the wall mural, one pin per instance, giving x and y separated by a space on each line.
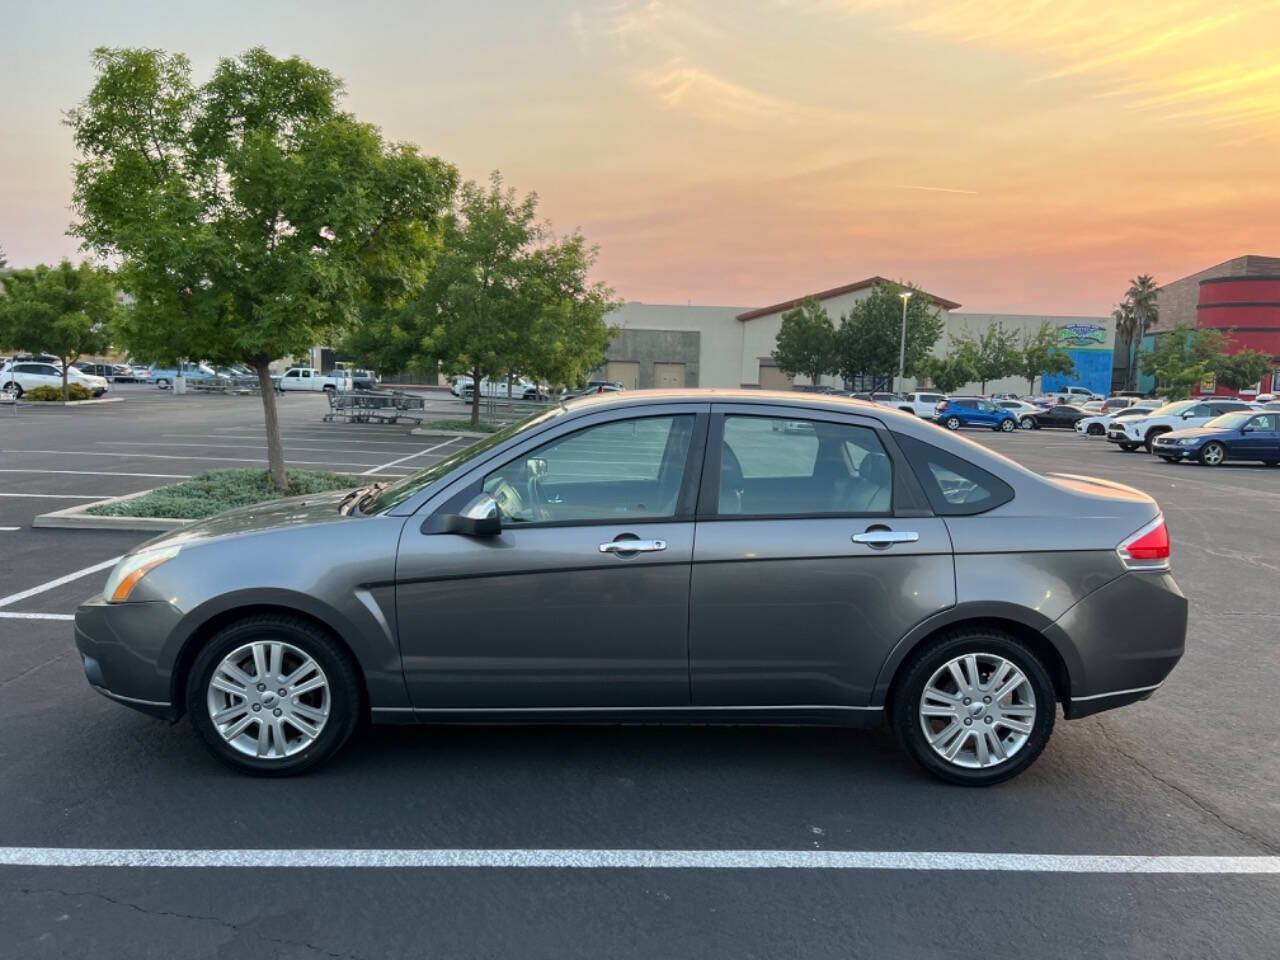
1081 334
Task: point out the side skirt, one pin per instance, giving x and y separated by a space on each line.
788 714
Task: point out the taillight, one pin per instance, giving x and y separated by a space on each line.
1148 549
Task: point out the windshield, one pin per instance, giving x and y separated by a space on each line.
1231 421
1172 409
406 487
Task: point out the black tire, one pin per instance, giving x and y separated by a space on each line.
952 423
328 388
333 658
1150 441
1129 447
1169 459
915 674
1007 426
1206 458
1095 430
14 388
1027 423
162 383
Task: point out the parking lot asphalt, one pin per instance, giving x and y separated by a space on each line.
1192 771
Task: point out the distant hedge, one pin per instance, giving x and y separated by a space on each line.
208 493
75 391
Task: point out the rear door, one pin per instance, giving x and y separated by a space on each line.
815 553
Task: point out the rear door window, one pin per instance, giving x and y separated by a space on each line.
955 487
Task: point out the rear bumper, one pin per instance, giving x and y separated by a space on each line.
1125 638
119 644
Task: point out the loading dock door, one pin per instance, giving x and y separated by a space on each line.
668 376
626 372
771 378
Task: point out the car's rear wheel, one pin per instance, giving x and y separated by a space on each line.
1212 454
975 707
162 383
13 389
1008 426
1129 447
1150 441
952 423
1095 430
273 695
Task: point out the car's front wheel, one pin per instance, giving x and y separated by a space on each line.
1128 447
1008 426
1212 454
975 707
1095 430
273 695
952 423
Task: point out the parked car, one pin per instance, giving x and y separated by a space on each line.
1243 435
956 412
107 371
1097 426
922 403
364 380
1075 394
1024 411
309 378
1112 404
1134 432
163 375
520 389
749 551
17 377
1063 415
138 372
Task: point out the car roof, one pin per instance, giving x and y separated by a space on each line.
775 398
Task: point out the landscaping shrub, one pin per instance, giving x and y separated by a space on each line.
208 493
75 391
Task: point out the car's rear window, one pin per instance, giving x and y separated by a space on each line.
955 487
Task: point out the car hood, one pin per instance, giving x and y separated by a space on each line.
309 510
1193 432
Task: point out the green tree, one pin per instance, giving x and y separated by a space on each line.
1182 357
65 310
869 337
503 296
995 354
1040 355
250 215
1242 369
806 342
958 367
1140 303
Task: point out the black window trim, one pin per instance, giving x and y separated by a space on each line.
907 497
940 507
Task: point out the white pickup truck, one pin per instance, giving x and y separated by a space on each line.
309 378
922 404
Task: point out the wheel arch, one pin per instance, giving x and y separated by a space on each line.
207 628
1024 625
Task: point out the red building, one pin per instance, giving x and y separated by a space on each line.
1247 309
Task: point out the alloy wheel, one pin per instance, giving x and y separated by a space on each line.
1026 423
977 710
268 699
1007 426
1212 454
953 423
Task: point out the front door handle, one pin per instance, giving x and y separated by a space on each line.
633 546
884 537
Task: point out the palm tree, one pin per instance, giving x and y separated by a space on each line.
1141 303
1124 321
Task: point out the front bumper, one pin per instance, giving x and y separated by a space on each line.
1121 641
1175 450
122 646
1119 436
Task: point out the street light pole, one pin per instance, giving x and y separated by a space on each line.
902 349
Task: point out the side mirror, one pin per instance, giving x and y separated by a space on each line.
479 518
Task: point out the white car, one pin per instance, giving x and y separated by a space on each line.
16 378
1074 394
1133 432
1097 426
520 389
309 378
921 403
1025 412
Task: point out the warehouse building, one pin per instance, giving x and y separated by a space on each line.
661 345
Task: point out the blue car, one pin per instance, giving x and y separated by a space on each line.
956 412
1240 435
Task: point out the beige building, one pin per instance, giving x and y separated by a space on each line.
660 345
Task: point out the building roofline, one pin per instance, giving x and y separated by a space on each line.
836 292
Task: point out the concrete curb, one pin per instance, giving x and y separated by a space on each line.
69 403
78 519
468 434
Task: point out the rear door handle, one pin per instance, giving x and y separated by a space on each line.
882 538
633 546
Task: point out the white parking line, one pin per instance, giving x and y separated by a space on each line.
408 441
239 446
15 597
9 529
7 615
412 456
102 473
168 456
634 860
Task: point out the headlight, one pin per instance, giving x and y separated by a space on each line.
132 569
1187 442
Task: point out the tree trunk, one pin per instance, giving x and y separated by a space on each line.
271 417
510 383
65 390
475 397
1135 368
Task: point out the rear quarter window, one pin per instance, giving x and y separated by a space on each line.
955 487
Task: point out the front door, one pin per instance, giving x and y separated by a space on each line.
1259 439
582 601
809 565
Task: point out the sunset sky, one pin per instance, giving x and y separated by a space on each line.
1014 155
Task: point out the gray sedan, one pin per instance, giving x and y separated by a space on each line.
659 556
